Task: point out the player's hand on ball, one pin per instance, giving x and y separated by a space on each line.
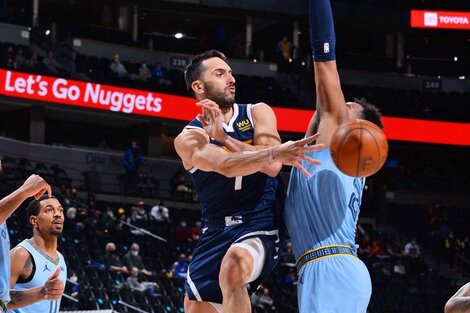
293 152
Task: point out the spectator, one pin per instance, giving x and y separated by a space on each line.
148 288
132 159
118 69
112 259
20 60
53 67
399 268
132 68
179 268
160 75
160 213
108 220
137 219
144 72
180 184
193 232
11 64
262 300
132 260
32 64
393 247
412 249
75 288
182 231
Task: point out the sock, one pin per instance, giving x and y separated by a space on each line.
322 31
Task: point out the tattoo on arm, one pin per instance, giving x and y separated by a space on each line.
16 296
27 267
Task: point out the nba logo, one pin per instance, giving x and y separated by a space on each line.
326 47
430 19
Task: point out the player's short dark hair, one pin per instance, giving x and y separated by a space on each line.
194 69
370 112
34 205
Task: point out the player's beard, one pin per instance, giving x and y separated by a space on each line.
56 233
223 99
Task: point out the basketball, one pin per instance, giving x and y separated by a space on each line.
359 148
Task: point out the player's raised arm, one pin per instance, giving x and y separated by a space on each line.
34 186
330 99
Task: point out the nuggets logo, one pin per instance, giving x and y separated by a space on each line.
244 125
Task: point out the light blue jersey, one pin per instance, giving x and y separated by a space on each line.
45 266
4 264
321 214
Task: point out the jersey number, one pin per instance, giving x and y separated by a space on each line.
238 182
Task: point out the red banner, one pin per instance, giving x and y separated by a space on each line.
440 19
133 101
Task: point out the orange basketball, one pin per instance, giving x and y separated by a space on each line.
359 148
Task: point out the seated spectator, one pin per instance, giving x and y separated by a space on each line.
132 68
132 260
32 64
75 288
399 268
53 67
148 288
118 69
290 278
193 232
412 249
138 218
11 64
112 259
144 72
160 75
160 213
182 231
108 221
20 60
179 268
262 300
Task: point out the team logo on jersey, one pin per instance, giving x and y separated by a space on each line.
4 233
46 268
244 125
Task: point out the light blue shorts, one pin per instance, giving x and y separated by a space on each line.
336 284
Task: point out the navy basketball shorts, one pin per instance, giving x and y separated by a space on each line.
202 280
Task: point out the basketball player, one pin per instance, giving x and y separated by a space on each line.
33 186
36 261
322 210
233 153
460 302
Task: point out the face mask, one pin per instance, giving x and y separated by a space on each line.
110 213
73 279
71 216
135 253
183 225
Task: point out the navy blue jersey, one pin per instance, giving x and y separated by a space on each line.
221 196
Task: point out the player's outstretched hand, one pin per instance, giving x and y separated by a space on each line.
54 287
211 119
293 152
35 186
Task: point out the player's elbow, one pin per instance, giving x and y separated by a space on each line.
273 170
451 307
226 170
